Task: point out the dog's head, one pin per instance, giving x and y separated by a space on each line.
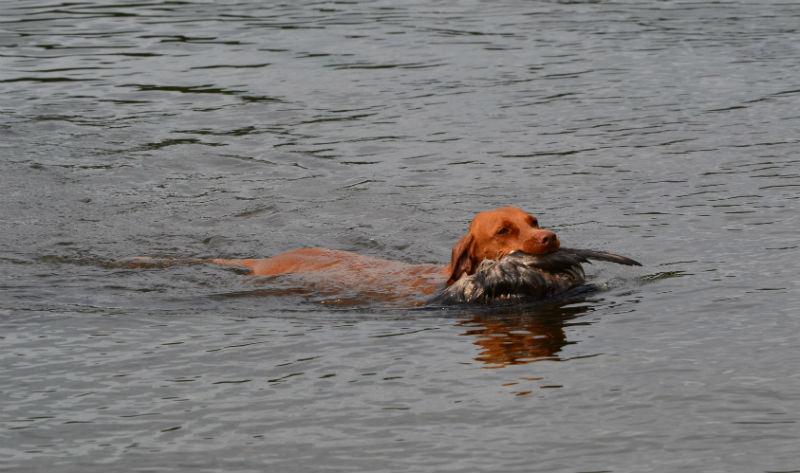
496 233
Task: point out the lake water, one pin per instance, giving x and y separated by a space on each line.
662 130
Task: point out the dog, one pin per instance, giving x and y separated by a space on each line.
491 235
500 234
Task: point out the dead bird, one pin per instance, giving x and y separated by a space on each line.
520 276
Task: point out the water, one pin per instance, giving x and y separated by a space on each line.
666 131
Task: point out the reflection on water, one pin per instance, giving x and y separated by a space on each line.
513 336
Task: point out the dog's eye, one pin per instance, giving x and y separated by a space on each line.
503 231
535 223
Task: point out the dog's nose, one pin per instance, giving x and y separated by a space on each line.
548 239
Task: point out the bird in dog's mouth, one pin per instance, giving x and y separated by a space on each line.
522 277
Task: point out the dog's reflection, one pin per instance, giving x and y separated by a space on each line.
521 335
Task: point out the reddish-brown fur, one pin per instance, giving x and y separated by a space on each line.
491 235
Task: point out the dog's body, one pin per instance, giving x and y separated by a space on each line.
337 271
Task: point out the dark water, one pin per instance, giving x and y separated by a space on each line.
667 131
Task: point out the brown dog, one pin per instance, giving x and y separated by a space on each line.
491 235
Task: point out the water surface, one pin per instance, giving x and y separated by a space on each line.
666 131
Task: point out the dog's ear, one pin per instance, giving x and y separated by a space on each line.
461 260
